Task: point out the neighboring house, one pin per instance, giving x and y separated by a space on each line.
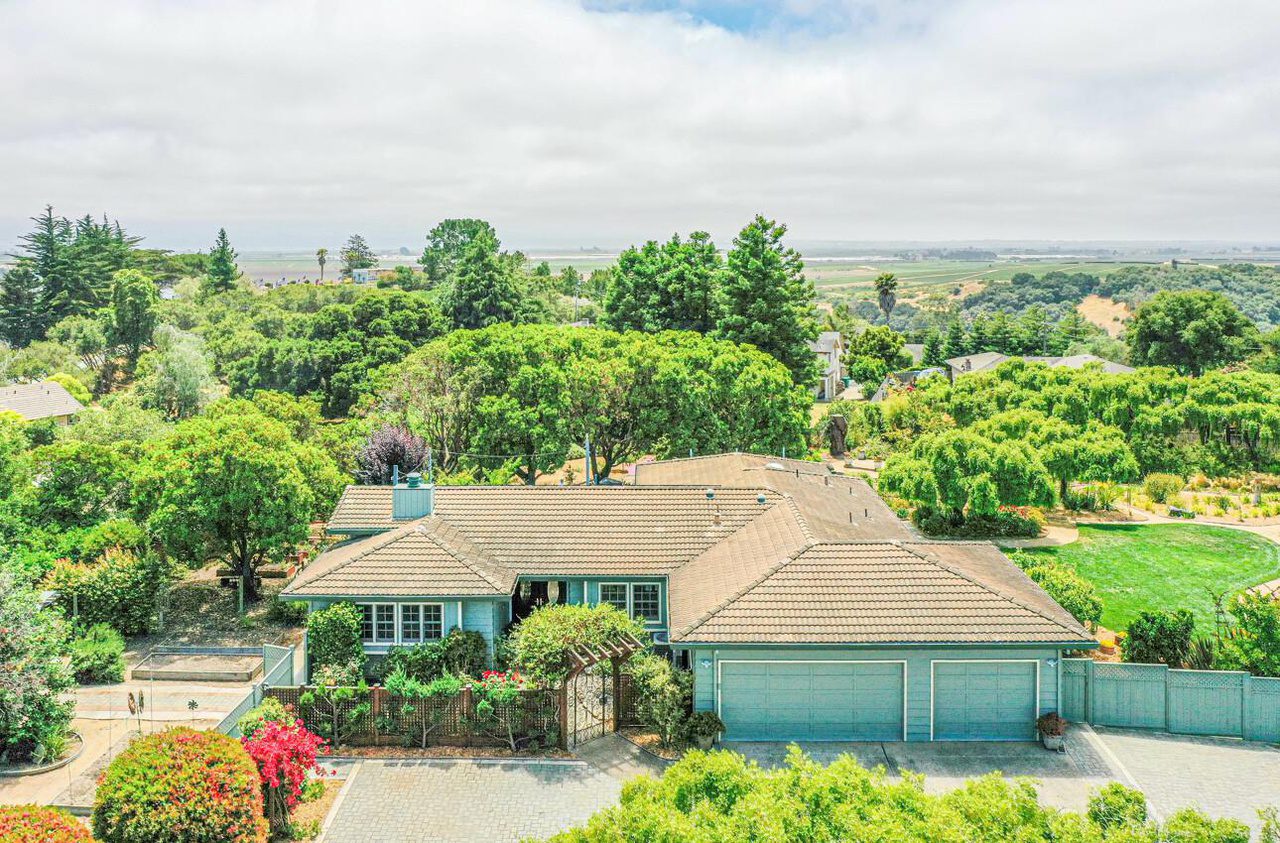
903 380
829 349
46 400
805 608
369 275
970 363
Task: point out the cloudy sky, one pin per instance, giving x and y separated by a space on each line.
579 122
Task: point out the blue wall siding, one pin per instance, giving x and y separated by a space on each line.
484 616
919 671
586 590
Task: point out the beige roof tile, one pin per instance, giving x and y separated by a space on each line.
39 400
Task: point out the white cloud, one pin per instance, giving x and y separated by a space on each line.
294 123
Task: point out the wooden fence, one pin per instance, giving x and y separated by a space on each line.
1187 702
376 717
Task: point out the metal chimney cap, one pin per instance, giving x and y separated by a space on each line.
413 480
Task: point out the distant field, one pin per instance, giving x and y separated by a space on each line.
921 276
270 266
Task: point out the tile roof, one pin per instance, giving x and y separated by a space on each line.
39 400
426 557
886 593
785 552
835 506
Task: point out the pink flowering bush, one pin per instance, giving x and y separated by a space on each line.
285 753
37 824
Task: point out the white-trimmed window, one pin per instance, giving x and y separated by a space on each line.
400 623
615 594
645 602
638 600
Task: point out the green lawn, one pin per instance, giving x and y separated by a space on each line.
1167 566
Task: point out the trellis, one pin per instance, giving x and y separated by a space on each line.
590 697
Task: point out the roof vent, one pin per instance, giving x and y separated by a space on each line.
760 498
775 466
711 493
413 499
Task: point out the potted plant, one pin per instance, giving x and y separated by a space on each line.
704 726
1053 730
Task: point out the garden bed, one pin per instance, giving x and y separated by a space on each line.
648 740
75 746
309 817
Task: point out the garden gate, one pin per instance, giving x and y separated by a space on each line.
590 694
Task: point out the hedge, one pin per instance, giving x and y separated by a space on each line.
38 824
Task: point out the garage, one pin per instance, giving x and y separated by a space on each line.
763 700
985 700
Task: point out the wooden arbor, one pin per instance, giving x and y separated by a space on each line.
590 693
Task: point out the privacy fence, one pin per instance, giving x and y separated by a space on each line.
1186 702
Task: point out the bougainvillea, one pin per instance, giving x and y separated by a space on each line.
197 787
285 753
37 824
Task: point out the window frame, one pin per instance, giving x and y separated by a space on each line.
626 595
369 618
395 623
629 590
657 601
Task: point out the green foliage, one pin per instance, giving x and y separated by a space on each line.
664 695
1159 637
670 286
210 794
231 485
356 254
719 797
73 385
290 612
222 274
460 653
121 588
270 710
1001 524
1253 643
446 244
484 288
705 724
176 377
33 716
540 644
336 712
766 300
333 636
134 312
1162 487
1070 590
97 656
1192 331
1115 806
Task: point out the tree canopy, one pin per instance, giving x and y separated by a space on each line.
1192 331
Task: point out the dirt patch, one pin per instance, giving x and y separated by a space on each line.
308 817
1107 314
648 740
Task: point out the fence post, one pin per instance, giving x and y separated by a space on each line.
564 715
617 694
1088 692
468 714
1244 706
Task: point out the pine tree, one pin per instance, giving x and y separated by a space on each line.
484 289
21 313
767 301
356 254
223 272
956 343
934 349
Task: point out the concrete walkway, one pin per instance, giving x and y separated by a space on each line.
618 757
1055 535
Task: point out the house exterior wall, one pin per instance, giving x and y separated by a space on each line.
919 663
487 616
586 591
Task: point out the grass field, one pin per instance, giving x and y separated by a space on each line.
1166 566
919 276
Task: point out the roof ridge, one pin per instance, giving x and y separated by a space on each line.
727 536
439 542
930 558
732 598
804 522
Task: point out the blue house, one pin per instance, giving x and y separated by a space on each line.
804 607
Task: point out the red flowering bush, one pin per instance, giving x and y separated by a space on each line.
197 787
284 753
37 824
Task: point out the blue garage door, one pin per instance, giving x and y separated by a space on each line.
811 701
984 701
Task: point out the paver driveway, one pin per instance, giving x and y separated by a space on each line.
460 801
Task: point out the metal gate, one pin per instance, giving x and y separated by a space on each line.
589 696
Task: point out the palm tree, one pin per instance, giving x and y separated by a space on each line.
887 287
321 256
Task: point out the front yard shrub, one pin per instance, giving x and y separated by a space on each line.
98 656
1254 643
1071 591
1193 826
1161 487
333 636
38 824
337 712
285 754
1160 637
288 612
122 589
415 695
33 716
664 696
196 787
1006 522
270 710
461 653
540 644
1116 806
499 707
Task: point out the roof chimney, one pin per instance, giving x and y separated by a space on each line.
414 499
